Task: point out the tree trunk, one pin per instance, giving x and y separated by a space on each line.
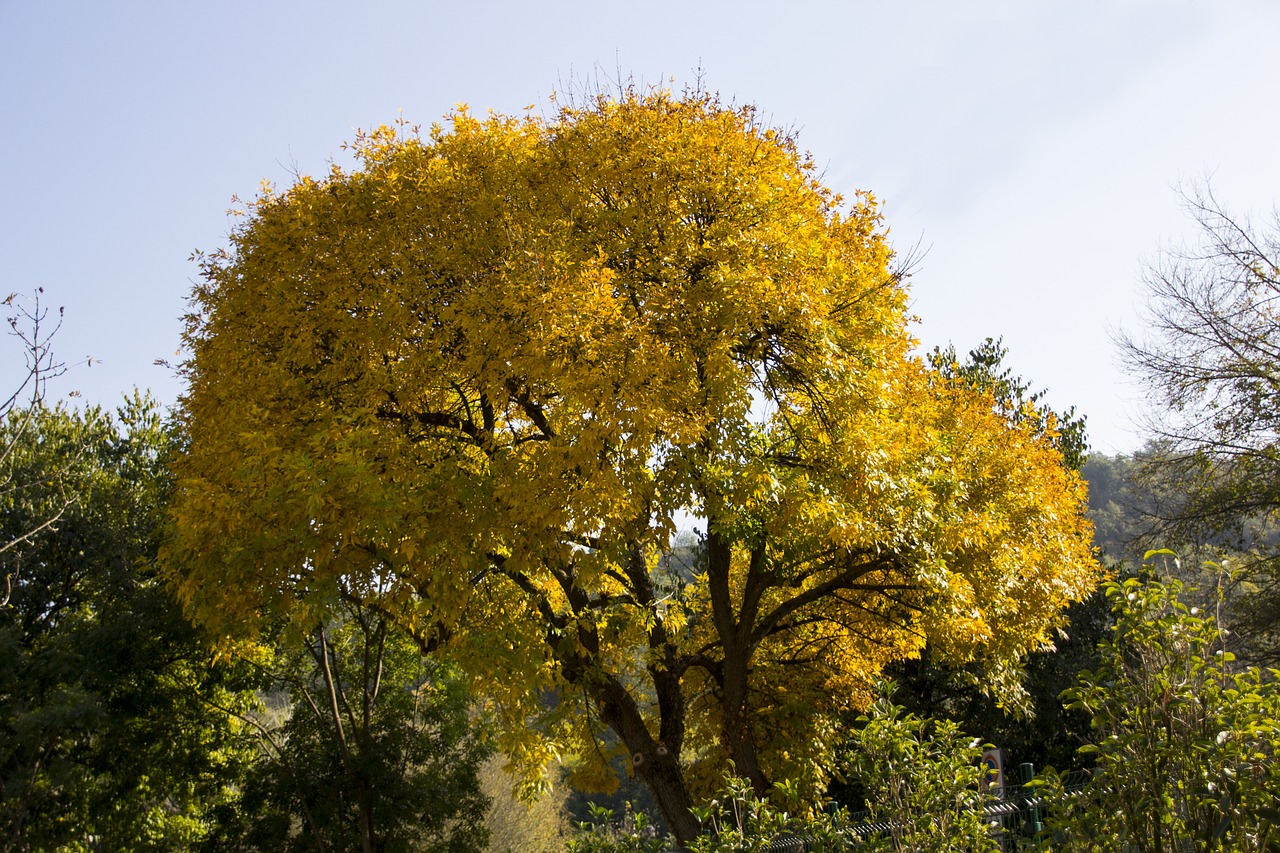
734 629
665 779
739 741
656 763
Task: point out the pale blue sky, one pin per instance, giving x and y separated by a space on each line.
1030 147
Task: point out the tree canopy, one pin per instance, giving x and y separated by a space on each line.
488 368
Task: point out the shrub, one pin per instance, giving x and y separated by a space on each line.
921 780
1185 740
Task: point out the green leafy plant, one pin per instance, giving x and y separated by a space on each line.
738 819
1185 740
109 738
604 832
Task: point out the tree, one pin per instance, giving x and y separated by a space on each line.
491 365
1210 355
984 370
107 734
379 750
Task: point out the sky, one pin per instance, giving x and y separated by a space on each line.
1027 153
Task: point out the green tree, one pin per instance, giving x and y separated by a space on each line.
379 751
1117 506
492 365
106 734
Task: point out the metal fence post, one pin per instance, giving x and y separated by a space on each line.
1035 816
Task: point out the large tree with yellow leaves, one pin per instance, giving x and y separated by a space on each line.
488 369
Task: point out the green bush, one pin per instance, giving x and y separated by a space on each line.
921 780
1184 739
604 832
378 750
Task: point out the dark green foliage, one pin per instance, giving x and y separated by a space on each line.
1117 507
105 727
378 752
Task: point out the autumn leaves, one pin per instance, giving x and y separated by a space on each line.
489 369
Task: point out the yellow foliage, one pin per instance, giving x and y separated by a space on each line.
484 372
